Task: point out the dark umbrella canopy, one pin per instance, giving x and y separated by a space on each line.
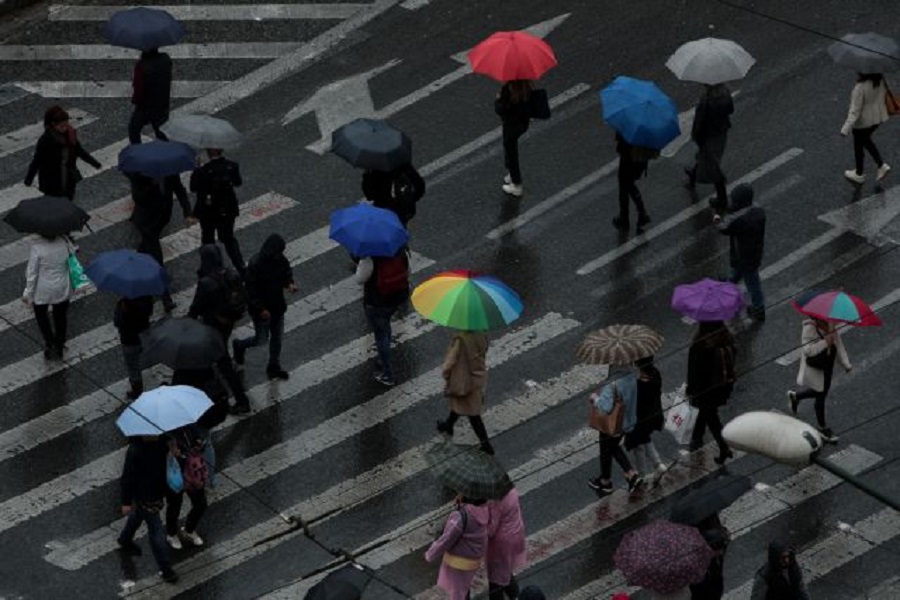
143 28
372 144
469 471
127 273
49 216
866 53
182 344
709 499
346 583
157 159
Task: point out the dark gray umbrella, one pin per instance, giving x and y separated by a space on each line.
709 499
469 471
866 53
182 344
49 216
346 583
372 144
143 28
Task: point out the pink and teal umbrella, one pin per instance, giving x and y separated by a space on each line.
466 300
836 306
708 300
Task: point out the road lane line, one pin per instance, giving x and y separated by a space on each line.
223 50
228 12
800 253
111 89
26 137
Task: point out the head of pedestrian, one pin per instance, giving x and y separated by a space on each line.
741 196
532 592
149 53
644 363
57 118
214 152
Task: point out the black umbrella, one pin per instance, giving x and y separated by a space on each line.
182 344
372 144
347 583
49 216
143 28
709 499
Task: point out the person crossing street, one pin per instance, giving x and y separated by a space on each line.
217 205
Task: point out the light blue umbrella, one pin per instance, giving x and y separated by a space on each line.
163 409
157 159
641 113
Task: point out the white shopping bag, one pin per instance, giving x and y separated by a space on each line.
680 415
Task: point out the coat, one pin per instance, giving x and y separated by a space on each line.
506 551
812 344
47 272
745 227
516 116
144 473
214 185
706 380
152 83
867 107
54 163
465 372
710 132
469 545
649 412
268 273
772 582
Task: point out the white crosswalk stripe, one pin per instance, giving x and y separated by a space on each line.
111 89
227 12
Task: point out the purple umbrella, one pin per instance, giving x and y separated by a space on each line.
663 556
708 300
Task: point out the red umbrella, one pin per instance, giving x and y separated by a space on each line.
509 55
663 556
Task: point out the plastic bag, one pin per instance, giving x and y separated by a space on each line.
680 415
77 277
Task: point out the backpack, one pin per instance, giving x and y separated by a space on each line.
643 154
234 301
195 472
392 278
406 195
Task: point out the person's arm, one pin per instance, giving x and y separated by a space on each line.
364 269
448 539
812 342
31 274
842 352
698 132
85 156
856 102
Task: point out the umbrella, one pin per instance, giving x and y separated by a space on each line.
365 230
710 498
163 409
372 144
663 556
510 55
127 273
346 583
836 306
466 300
640 112
469 471
619 345
49 216
866 53
710 61
157 159
708 300
202 131
182 344
143 29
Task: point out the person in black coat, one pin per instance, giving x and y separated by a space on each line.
745 226
55 156
631 168
781 578
710 132
151 90
150 217
649 419
132 317
710 379
217 206
514 108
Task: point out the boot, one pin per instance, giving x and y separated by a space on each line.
137 388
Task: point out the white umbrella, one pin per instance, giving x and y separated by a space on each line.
202 131
866 53
710 61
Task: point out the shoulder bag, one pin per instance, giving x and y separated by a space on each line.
608 423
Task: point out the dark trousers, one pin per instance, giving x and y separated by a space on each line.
609 450
140 118
151 245
819 396
474 420
754 286
173 510
708 417
55 336
223 227
380 319
226 367
497 591
271 331
628 174
155 533
511 135
862 143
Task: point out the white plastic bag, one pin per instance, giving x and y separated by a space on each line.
680 415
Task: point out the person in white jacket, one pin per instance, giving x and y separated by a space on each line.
867 111
47 286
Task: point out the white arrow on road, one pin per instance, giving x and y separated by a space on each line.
869 218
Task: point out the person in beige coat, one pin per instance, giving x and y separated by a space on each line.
867 111
819 337
465 374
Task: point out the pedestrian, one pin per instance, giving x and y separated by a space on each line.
385 282
867 111
461 547
407 188
632 166
710 133
710 379
649 418
151 89
613 412
532 592
132 317
506 546
745 226
217 205
151 214
465 375
188 446
513 105
781 578
143 495
268 275
712 586
48 287
56 154
821 345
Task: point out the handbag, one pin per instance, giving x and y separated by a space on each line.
891 102
539 105
608 423
77 277
174 478
819 361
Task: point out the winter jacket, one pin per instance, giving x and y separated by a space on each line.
132 317
214 185
149 215
812 343
209 303
772 582
377 187
506 538
47 272
268 274
367 275
867 107
515 115
707 377
152 83
746 228
461 548
465 372
711 118
626 386
144 474
54 163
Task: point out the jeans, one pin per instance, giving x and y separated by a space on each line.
132 356
380 319
271 330
819 396
55 336
754 286
862 142
155 533
611 449
511 135
224 229
173 510
140 118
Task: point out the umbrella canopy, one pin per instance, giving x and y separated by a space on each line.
511 55
49 216
202 131
640 112
157 158
710 61
866 53
708 300
468 471
836 306
182 344
163 409
663 556
346 583
372 144
365 230
127 273
466 300
619 345
709 499
143 29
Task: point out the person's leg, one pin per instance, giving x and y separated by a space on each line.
135 125
233 379
621 458
805 393
225 230
699 431
639 453
720 204
446 426
42 318
715 427
239 346
207 231
624 179
132 523
275 331
173 511
754 288
60 324
820 397
606 457
380 320
511 153
198 507
653 454
512 588
495 591
635 193
859 141
132 357
481 432
157 121
157 536
870 147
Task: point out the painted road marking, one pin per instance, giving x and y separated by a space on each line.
414 4
229 50
869 217
27 136
228 12
111 89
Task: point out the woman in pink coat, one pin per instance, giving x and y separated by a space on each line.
461 547
506 545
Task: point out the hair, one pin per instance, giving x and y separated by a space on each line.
214 152
644 363
55 114
519 90
875 78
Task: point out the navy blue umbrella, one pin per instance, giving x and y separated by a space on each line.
365 230
372 144
127 273
157 159
143 29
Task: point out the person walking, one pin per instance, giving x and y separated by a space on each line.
152 211
151 90
217 205
613 412
47 287
268 275
55 156
132 317
514 109
710 133
506 546
632 166
745 226
710 379
821 345
188 446
465 376
649 418
781 578
461 547
867 111
717 536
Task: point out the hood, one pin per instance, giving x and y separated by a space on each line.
776 549
741 197
210 259
273 246
532 592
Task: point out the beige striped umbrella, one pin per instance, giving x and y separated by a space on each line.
619 345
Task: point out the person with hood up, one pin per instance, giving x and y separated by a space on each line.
781 577
745 227
613 413
151 94
649 418
712 586
710 379
55 156
268 275
465 375
710 133
461 547
506 545
867 111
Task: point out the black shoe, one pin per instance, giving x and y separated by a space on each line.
793 402
828 436
487 448
643 219
169 575
129 548
601 488
276 372
635 483
757 314
169 306
621 224
445 428
695 445
240 409
723 456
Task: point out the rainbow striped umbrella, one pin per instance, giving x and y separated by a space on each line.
836 306
467 300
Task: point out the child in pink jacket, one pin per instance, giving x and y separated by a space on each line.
461 547
506 545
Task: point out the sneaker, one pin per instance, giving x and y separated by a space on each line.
635 483
507 179
620 223
385 380
793 403
276 372
169 575
192 537
240 409
828 435
129 548
883 171
601 488
512 189
174 541
855 177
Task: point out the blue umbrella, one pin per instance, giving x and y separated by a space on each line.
368 231
157 159
163 409
127 273
143 29
640 112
